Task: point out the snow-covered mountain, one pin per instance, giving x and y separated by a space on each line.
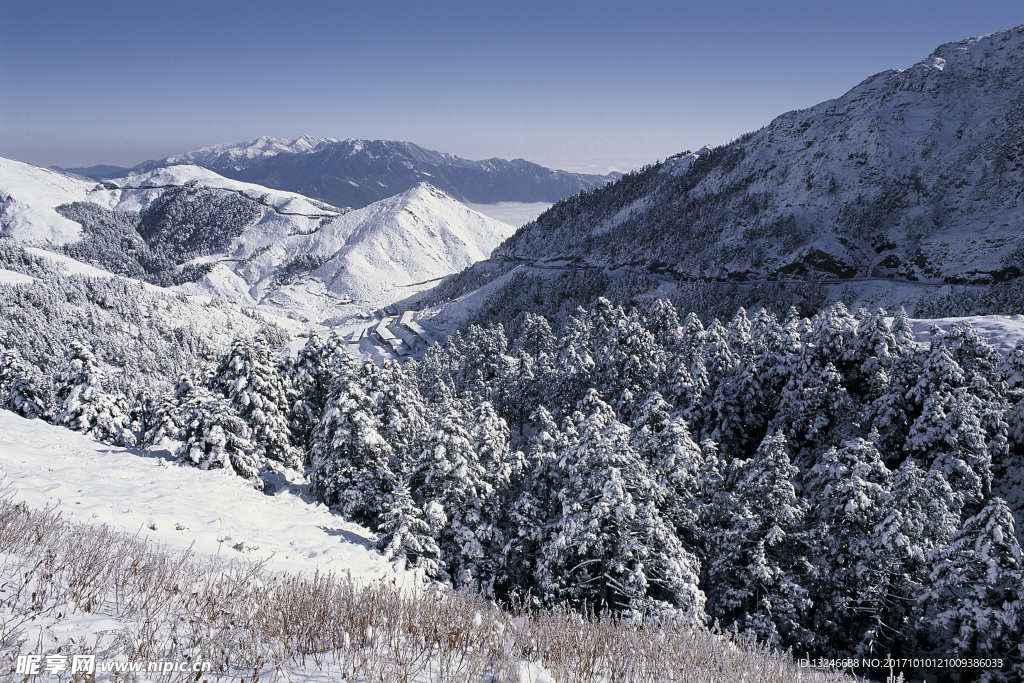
915 174
255 246
356 173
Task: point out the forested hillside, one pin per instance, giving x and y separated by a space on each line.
826 482
912 175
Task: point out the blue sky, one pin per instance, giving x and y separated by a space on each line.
581 85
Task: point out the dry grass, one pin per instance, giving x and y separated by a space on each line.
251 623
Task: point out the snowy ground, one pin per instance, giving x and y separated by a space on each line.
1001 331
178 508
178 505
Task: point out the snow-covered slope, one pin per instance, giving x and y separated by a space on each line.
417 236
177 505
369 257
28 195
914 174
139 190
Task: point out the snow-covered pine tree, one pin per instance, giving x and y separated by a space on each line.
214 436
947 434
871 355
83 403
628 360
610 547
1011 372
531 516
169 413
665 446
18 392
922 519
849 493
351 464
976 597
814 407
310 376
249 377
759 573
662 320
401 412
504 471
450 484
404 535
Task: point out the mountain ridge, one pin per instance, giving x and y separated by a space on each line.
912 174
280 250
354 173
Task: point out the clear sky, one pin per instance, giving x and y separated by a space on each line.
578 85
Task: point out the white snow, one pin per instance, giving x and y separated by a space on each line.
1001 331
9 277
28 195
177 505
263 146
363 259
134 194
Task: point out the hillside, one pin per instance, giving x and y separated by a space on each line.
213 236
914 175
356 173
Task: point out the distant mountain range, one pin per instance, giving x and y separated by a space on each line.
915 174
355 173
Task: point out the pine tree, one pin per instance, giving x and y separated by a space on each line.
849 495
402 414
18 392
976 596
169 413
665 446
404 535
758 572
531 517
610 546
947 434
214 436
83 402
250 379
450 483
351 465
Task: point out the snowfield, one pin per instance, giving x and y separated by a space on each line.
180 506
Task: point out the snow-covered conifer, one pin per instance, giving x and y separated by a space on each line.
976 596
351 464
404 535
849 494
18 391
611 547
758 571
665 446
83 403
250 379
214 436
448 475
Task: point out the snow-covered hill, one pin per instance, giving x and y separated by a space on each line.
28 195
359 172
381 253
287 253
914 174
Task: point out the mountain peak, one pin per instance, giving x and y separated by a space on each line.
896 178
